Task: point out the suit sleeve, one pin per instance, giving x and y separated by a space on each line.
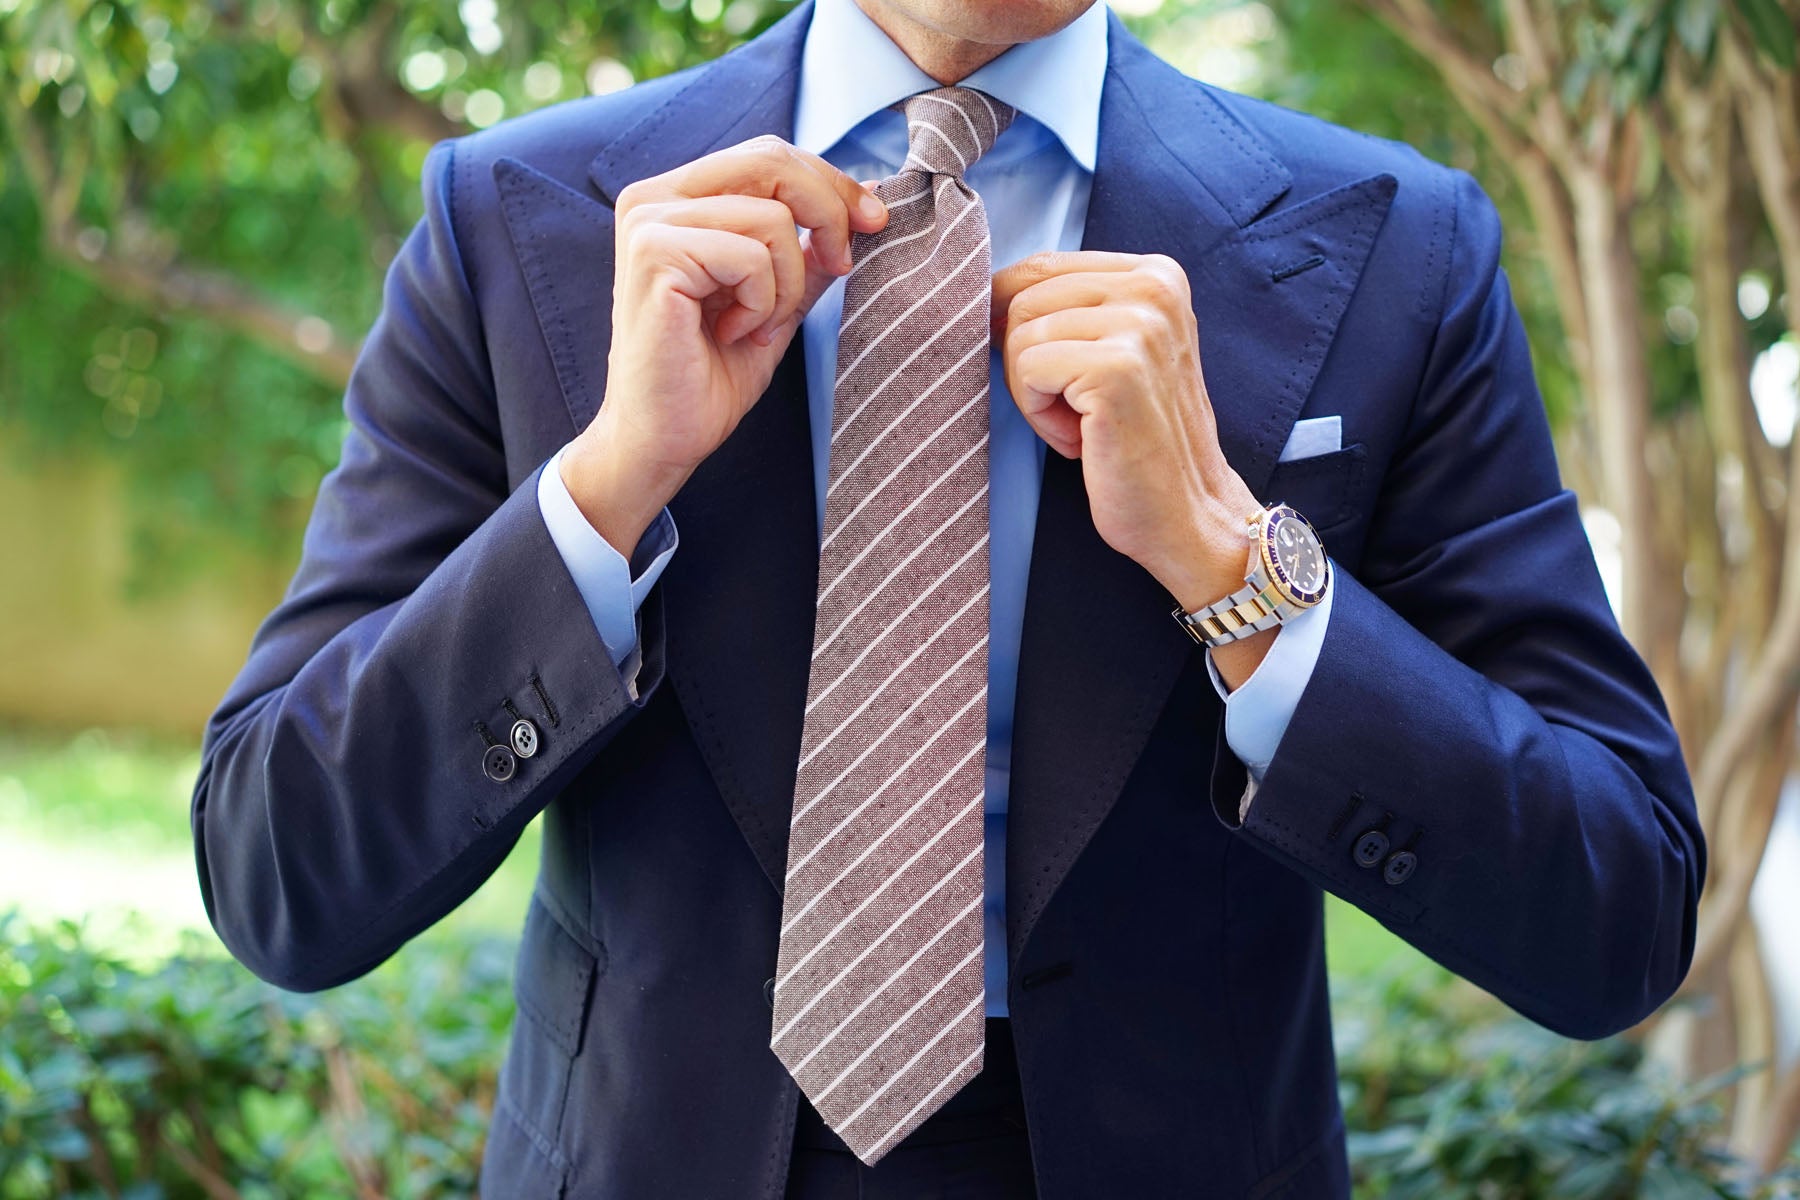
1480 759
343 803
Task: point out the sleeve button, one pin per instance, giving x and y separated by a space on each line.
524 737
1400 866
1370 847
498 764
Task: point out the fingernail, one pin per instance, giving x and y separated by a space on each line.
871 206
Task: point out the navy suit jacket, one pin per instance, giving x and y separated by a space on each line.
1473 702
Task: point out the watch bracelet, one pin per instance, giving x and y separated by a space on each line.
1245 612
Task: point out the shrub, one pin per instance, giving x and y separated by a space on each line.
195 1079
1449 1096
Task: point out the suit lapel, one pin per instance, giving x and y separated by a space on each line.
1099 654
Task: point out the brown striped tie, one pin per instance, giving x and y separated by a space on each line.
878 992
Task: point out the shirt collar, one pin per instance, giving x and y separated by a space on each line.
850 69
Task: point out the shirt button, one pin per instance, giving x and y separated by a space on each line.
524 738
1370 847
1400 866
498 764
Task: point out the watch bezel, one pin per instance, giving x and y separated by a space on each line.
1275 516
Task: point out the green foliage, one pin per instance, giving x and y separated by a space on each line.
1449 1098
1337 62
117 1080
1771 29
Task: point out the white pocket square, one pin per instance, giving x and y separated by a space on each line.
1312 437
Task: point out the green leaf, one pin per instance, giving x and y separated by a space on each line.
1770 29
1696 24
1665 1183
1596 1179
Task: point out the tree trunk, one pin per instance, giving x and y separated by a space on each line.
1620 397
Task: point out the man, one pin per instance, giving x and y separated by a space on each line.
798 562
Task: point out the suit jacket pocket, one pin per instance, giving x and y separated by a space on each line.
1326 489
518 1164
553 985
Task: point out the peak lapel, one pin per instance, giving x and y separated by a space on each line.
1178 175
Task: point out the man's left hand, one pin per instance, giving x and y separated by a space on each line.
1102 355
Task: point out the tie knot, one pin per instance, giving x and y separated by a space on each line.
949 128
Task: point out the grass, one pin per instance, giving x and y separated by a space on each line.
94 828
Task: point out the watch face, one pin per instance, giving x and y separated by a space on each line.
1295 555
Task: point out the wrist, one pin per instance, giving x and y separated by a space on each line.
1220 570
617 494
1214 562
1213 558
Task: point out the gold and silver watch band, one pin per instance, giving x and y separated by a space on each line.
1246 611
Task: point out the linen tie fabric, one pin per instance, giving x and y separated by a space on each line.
878 986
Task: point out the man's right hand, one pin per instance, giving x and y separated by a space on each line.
712 281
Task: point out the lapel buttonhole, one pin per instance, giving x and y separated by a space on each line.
1299 268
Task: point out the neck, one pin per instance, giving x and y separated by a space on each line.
943 56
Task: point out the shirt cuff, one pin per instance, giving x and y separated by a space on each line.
611 588
1258 711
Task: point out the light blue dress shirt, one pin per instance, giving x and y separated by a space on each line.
1034 184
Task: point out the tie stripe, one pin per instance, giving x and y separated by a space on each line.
878 985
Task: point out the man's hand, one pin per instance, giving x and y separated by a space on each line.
712 280
1102 356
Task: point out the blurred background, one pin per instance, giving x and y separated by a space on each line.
198 199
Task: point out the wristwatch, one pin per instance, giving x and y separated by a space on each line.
1287 574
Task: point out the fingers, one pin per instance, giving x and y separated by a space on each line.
1044 299
1043 361
1047 357
766 221
714 265
1029 272
820 197
1072 370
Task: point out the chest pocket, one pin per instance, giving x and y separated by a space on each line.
1327 489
